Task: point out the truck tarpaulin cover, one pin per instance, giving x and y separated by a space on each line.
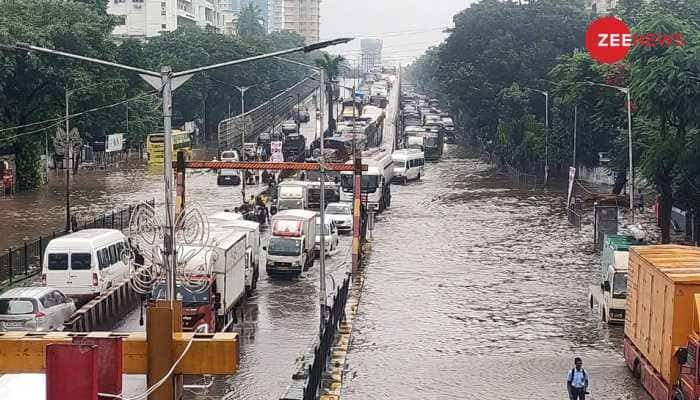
287 228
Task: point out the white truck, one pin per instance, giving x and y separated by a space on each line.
609 298
292 195
234 222
213 306
376 181
291 246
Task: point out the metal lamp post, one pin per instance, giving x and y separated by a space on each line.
323 301
626 91
166 80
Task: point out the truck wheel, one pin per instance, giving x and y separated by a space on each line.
603 314
591 302
248 291
678 394
637 369
405 180
254 285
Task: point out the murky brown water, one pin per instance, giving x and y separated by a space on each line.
478 291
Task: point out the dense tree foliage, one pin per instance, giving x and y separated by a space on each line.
499 49
33 85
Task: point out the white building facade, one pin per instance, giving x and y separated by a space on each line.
300 16
602 7
148 18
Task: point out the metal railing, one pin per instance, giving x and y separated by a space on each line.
259 119
323 348
523 178
574 217
24 262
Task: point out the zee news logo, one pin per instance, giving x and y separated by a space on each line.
608 40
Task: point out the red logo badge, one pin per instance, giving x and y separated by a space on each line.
608 40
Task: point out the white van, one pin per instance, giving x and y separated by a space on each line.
408 164
86 263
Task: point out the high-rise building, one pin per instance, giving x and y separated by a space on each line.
300 16
603 6
371 54
147 18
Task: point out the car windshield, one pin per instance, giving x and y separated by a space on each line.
17 306
619 287
399 164
228 154
315 176
284 247
338 209
187 297
369 182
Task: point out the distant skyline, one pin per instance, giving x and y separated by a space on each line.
407 27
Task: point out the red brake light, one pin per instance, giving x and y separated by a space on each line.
39 315
95 281
43 279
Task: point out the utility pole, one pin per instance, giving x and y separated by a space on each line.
69 156
242 89
322 263
575 127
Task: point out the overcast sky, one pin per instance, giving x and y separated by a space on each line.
407 27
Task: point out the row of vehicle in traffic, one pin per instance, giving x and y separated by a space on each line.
425 126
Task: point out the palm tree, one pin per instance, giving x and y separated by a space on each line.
331 65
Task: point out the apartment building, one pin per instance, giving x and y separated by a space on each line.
148 18
602 7
300 16
371 53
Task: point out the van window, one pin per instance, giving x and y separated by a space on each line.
112 254
58 261
103 258
80 261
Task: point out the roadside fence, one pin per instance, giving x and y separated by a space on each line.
574 213
24 262
323 348
523 178
259 119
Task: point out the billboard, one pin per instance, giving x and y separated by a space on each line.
114 142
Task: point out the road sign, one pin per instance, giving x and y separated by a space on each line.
572 177
276 148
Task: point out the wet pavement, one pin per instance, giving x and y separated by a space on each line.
475 290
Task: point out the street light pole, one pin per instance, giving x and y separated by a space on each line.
626 91
69 155
243 89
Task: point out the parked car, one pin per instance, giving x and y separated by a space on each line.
330 236
341 215
230 155
34 309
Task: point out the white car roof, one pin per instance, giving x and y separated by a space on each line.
33 292
87 238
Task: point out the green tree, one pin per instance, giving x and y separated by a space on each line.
250 22
331 65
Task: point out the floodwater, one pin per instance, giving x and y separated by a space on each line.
476 290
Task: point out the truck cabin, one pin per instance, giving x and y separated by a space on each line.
340 144
287 239
290 196
198 306
371 181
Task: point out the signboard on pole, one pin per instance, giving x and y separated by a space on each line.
114 142
276 149
572 178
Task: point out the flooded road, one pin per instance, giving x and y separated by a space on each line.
478 291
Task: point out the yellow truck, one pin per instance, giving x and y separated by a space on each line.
662 331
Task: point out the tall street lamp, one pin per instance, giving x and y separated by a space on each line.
323 301
166 81
546 134
626 91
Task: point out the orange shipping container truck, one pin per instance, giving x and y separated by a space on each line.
662 335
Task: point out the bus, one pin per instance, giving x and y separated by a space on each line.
181 144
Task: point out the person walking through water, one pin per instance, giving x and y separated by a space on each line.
577 381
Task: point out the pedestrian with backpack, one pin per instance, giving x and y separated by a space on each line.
577 381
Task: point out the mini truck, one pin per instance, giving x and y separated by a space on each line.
291 246
234 222
662 320
608 297
215 305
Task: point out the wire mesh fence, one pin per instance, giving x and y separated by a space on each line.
24 262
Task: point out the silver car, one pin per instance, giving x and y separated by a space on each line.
34 309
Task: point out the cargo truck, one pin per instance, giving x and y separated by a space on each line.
292 195
291 246
607 298
220 222
215 305
662 331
